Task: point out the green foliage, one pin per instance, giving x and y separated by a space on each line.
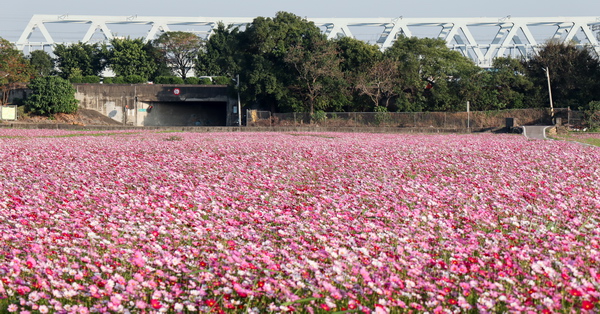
191 80
574 74
592 114
221 80
131 57
41 62
318 116
90 79
205 81
135 79
220 55
83 57
168 80
51 95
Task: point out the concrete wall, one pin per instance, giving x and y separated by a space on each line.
160 105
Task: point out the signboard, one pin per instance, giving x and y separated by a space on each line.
176 91
8 113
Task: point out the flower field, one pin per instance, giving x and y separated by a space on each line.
307 222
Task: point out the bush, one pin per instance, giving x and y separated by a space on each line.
50 95
135 79
192 80
205 81
221 80
108 80
168 80
592 115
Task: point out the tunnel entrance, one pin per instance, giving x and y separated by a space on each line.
186 113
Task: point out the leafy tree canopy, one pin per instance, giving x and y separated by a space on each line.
80 59
131 57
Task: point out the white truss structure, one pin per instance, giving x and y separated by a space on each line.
512 36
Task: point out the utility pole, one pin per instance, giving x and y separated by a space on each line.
239 105
549 91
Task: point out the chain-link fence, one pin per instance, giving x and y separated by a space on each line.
258 118
442 120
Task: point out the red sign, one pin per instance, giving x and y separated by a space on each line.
176 91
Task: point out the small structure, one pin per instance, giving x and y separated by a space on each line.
160 105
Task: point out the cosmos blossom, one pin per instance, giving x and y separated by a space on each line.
118 221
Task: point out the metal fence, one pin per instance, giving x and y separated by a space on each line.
8 112
442 120
258 118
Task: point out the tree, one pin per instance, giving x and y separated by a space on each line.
379 82
80 59
431 74
219 56
51 95
180 50
265 75
356 58
574 74
504 86
41 62
316 66
15 71
131 57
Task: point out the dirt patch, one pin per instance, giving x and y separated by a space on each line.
81 117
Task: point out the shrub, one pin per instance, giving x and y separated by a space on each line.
205 81
168 80
192 80
108 80
135 79
221 80
50 95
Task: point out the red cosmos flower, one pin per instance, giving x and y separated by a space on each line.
325 307
452 301
575 293
260 284
210 302
587 305
155 304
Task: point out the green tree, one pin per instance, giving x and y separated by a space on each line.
574 74
80 59
41 62
15 71
220 54
265 75
179 50
504 86
51 95
131 57
431 74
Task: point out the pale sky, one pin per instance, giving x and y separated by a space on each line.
14 17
